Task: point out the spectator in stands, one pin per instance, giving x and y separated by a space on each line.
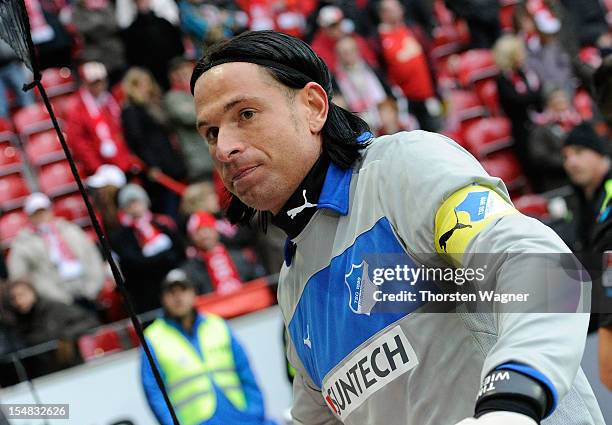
548 58
151 42
547 137
127 11
332 27
208 22
12 76
482 18
61 261
105 185
210 264
407 66
364 90
96 23
147 131
589 20
520 94
202 197
202 364
178 103
602 81
49 22
586 161
93 126
602 237
148 246
39 319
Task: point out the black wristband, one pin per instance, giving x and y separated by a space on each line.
512 391
515 405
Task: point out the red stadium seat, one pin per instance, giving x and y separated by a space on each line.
533 206
486 90
133 336
506 14
476 65
110 300
488 135
32 119
73 208
447 40
252 296
44 148
13 191
504 165
56 179
10 225
104 341
6 130
58 81
10 158
465 105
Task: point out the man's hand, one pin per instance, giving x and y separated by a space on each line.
499 418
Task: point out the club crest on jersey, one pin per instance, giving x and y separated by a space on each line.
361 289
367 371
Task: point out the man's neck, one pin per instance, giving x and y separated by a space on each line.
302 204
187 322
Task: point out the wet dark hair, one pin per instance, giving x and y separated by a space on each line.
291 62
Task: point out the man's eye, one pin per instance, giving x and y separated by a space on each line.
211 134
247 115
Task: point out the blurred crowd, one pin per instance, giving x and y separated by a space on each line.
510 80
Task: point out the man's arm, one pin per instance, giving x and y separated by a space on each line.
254 398
308 405
439 187
151 389
520 253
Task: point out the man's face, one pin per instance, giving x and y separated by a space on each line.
136 209
391 12
42 216
96 88
263 137
205 238
22 298
178 301
181 76
558 101
581 164
348 52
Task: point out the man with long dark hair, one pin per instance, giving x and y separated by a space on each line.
286 152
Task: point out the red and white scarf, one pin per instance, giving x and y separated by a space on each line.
150 239
68 266
40 30
531 82
108 146
221 269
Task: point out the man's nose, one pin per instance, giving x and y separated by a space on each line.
228 145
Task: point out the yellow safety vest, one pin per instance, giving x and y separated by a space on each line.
188 377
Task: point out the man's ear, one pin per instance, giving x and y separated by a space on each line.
315 100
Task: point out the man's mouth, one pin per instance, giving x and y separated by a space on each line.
243 172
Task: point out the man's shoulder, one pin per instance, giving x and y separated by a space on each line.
416 148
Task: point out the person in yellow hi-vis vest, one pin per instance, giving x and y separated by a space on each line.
205 370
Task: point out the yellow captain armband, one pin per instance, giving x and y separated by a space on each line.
463 216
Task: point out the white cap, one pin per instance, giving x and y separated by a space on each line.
107 175
546 23
35 202
93 71
329 15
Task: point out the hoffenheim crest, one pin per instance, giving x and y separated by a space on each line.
361 289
